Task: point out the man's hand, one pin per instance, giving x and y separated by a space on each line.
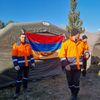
17 68
68 68
33 66
64 62
84 72
86 55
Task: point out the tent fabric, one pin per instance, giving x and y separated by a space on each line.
96 50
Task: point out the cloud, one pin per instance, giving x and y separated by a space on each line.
98 29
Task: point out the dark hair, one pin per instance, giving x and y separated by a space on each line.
84 37
75 32
22 34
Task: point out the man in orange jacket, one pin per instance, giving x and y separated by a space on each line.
86 54
22 59
71 55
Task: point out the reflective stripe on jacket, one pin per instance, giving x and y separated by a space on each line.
72 51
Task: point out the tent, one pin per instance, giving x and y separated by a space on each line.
44 67
96 51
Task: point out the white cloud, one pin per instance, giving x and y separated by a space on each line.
99 29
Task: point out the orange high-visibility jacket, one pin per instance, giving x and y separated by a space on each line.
86 49
72 51
22 54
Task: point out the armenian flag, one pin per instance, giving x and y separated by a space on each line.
44 43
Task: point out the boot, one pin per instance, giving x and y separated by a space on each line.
18 86
16 95
73 97
25 85
74 93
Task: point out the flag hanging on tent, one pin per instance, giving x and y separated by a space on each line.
44 43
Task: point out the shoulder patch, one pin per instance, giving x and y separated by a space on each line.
27 40
18 43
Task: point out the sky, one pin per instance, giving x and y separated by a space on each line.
53 11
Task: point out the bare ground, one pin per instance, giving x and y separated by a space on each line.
55 88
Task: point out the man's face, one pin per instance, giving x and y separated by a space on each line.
22 38
84 40
77 36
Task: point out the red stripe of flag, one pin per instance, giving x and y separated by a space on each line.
44 39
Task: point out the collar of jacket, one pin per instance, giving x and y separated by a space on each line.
78 41
18 43
85 42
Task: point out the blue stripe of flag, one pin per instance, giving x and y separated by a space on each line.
45 47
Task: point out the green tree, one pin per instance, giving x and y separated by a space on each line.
2 25
74 21
10 21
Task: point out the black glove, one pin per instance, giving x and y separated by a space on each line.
84 72
64 63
